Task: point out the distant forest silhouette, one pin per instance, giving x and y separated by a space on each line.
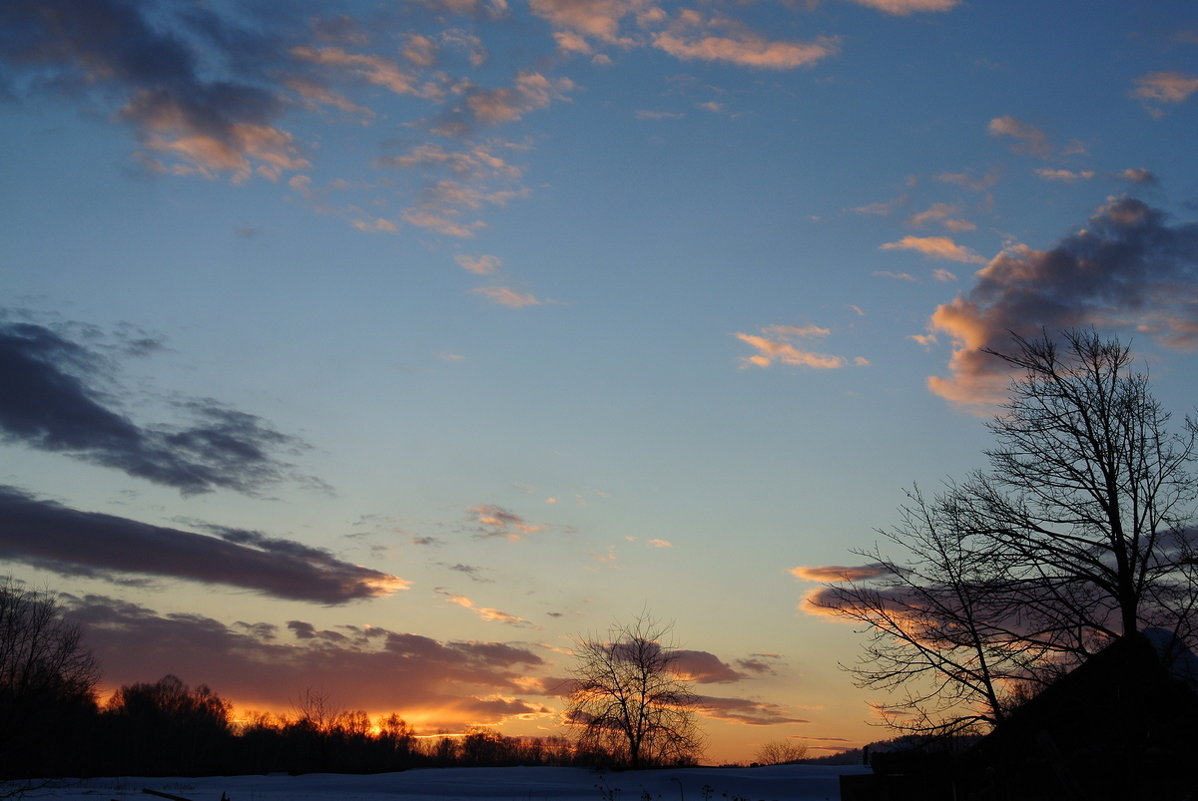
167 728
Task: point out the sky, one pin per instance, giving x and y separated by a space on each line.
384 349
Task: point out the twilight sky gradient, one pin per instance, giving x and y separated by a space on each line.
380 348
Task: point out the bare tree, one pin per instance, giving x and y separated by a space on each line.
780 752
629 703
944 634
1092 492
1077 535
47 679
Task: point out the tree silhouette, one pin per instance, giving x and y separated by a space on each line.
1077 535
629 703
47 677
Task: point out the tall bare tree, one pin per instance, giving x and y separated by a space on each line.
629 703
1078 534
1093 493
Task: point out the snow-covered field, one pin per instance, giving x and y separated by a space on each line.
776 783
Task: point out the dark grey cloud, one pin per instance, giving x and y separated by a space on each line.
746 711
704 667
192 83
56 396
72 542
445 683
474 572
1129 268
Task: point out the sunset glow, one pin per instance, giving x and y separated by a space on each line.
387 352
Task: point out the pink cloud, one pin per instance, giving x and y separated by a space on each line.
1165 87
483 264
506 296
1030 138
935 247
833 573
743 48
531 91
905 7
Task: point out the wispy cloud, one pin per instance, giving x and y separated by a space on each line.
747 712
776 343
1029 139
1139 175
884 207
506 296
936 247
484 613
1065 176
691 36
905 7
969 180
834 573
894 275
496 521
77 543
482 264
530 92
1165 87
1128 268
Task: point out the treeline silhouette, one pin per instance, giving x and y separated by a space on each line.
167 728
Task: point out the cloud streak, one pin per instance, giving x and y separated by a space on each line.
51 400
776 343
936 247
74 543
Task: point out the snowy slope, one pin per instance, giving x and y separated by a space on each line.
777 783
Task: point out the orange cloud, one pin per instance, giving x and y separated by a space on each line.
936 247
484 613
770 351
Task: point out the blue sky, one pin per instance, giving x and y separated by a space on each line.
385 347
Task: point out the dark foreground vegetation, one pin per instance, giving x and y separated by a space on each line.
53 724
167 728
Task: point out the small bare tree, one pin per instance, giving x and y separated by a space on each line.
629 702
780 752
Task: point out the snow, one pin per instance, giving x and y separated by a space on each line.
774 783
